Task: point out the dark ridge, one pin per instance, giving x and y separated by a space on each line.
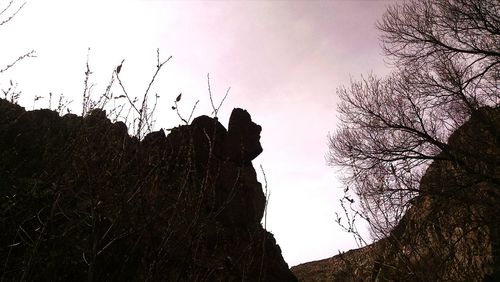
81 200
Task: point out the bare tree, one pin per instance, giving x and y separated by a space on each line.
446 58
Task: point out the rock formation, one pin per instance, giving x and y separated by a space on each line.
451 232
82 200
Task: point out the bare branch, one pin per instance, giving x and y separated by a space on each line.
12 15
215 110
30 54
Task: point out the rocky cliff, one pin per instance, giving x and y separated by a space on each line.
451 231
82 200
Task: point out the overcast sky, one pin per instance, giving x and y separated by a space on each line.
283 60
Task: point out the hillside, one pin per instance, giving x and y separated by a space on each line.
81 200
451 231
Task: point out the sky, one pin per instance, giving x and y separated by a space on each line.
283 60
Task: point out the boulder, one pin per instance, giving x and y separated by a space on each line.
242 143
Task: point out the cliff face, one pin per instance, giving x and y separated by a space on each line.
451 232
81 200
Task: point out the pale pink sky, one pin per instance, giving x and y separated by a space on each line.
282 59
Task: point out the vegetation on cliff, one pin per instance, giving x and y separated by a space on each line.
82 200
450 232
419 148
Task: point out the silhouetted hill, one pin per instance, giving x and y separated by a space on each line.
451 231
82 200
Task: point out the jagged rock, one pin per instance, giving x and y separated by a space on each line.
242 143
81 200
208 134
451 232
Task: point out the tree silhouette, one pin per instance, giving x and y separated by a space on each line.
445 56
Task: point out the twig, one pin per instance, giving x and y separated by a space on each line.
192 111
145 96
86 89
13 14
267 194
7 7
132 104
215 110
30 54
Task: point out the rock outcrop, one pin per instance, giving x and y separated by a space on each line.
82 200
451 232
